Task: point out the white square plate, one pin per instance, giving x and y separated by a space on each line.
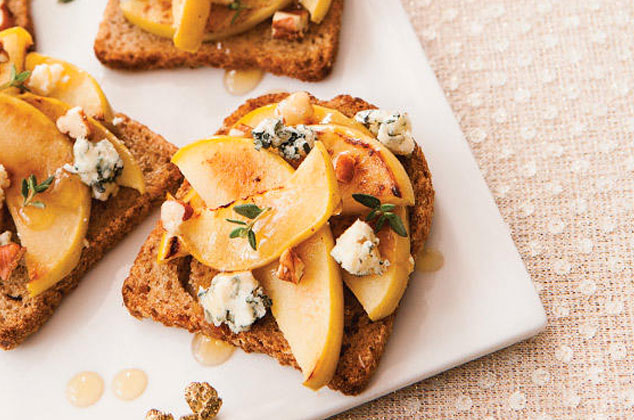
480 301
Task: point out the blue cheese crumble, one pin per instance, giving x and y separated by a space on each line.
357 251
98 166
293 143
234 299
393 129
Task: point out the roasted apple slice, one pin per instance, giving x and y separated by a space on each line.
74 87
14 42
236 168
295 211
53 227
310 313
380 294
321 115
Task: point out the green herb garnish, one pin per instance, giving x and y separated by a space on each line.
250 211
238 7
16 79
382 213
30 188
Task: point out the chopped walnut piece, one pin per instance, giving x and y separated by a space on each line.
6 17
290 24
241 130
203 399
344 167
154 414
190 417
10 256
291 267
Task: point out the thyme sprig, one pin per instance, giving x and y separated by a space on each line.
252 212
16 79
238 7
382 213
30 188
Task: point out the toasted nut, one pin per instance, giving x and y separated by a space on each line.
190 417
10 256
290 24
241 130
291 267
6 17
344 167
173 213
295 109
154 414
203 399
74 123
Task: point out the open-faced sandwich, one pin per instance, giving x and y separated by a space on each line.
74 179
291 200
284 37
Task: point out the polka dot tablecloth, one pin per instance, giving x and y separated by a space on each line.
544 91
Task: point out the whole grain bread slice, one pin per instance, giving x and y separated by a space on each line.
166 292
22 315
120 44
21 14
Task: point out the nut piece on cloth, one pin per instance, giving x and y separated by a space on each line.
154 414
203 399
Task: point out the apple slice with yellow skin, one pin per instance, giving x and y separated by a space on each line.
310 313
237 171
131 176
380 294
155 17
54 235
297 210
318 9
80 88
190 19
321 115
15 42
377 171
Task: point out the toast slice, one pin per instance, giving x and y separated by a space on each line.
164 292
120 44
21 13
22 315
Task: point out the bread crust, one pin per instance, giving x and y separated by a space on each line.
21 13
120 44
165 292
22 315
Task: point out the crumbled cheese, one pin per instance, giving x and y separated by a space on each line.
98 166
5 238
45 78
357 251
74 123
292 142
393 129
235 299
172 216
116 121
5 183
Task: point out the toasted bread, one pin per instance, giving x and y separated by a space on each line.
22 315
21 14
120 44
164 292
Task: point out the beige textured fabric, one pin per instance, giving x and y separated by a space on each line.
544 90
